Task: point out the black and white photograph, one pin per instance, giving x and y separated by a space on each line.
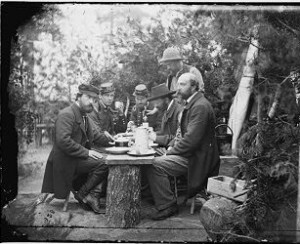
150 122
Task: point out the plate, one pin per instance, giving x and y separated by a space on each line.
149 153
118 150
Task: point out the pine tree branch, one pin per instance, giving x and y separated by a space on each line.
295 32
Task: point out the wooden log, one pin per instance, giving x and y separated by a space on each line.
123 196
216 215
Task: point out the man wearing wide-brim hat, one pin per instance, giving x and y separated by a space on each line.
104 115
141 111
72 154
163 100
174 61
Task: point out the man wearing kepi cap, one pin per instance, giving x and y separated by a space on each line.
174 62
140 111
163 100
103 115
72 155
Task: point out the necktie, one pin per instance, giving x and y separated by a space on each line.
85 122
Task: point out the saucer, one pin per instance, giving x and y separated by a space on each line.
117 150
150 152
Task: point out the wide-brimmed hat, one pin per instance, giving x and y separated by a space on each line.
160 91
88 89
141 90
106 88
170 54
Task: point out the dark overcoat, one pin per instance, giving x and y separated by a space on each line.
71 145
198 143
169 124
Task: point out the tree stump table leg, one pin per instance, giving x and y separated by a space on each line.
123 203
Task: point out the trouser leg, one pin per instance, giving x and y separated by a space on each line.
97 172
157 174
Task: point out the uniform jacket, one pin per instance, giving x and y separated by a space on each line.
154 120
198 143
108 120
71 145
169 124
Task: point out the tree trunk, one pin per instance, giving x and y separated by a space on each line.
259 118
295 76
123 196
240 103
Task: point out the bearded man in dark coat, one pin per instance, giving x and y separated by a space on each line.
193 152
73 155
163 100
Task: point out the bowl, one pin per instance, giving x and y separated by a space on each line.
121 142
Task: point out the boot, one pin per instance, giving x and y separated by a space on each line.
93 200
85 190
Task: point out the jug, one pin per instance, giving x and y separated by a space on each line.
141 140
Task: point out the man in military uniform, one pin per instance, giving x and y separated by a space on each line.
104 116
73 156
140 111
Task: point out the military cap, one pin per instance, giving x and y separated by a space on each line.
88 89
141 90
160 91
107 88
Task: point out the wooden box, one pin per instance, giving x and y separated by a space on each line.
220 185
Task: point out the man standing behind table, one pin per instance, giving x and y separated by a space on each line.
173 60
139 113
194 150
164 102
104 116
72 155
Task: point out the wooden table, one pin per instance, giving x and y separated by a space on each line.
123 203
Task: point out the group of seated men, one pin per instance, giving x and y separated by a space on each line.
183 121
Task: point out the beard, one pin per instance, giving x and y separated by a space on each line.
86 108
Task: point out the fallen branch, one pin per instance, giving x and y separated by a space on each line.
236 235
278 93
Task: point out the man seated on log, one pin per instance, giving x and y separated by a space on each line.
163 100
139 113
193 151
103 115
72 154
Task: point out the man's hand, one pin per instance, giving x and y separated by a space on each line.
95 155
130 124
152 136
151 112
109 136
120 107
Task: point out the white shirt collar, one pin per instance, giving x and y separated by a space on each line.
191 97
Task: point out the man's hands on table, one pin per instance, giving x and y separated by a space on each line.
95 155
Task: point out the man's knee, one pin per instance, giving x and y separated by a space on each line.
159 161
98 165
